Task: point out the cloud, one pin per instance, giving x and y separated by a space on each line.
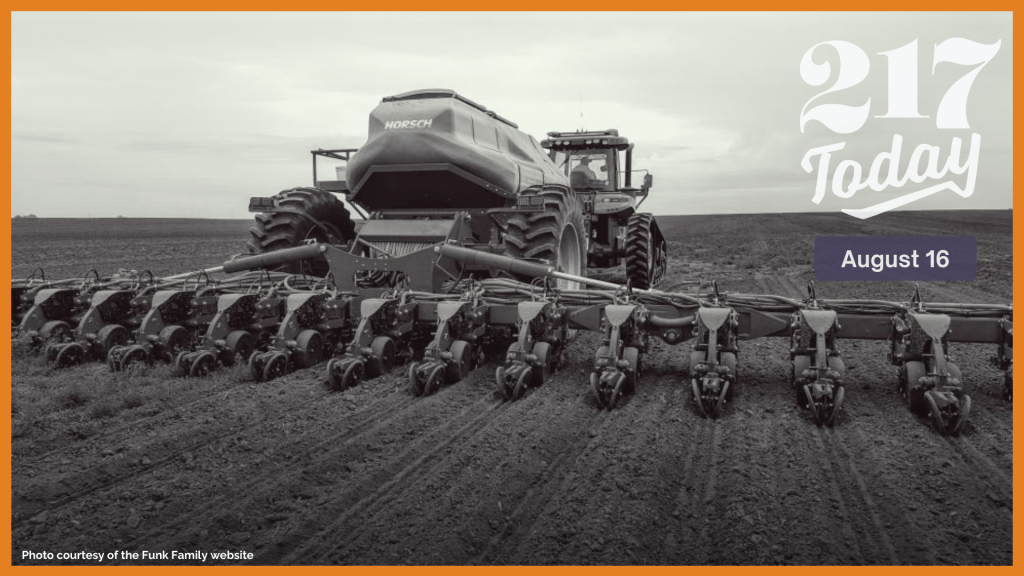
208 109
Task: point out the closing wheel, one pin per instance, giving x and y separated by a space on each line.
965 412
383 358
463 358
720 403
313 214
837 406
433 381
309 349
132 356
114 358
935 413
414 380
632 356
333 376
556 234
238 344
68 355
728 359
353 374
256 364
499 379
183 364
646 252
695 386
811 404
344 373
912 391
276 365
55 331
202 364
521 383
545 364
613 398
174 339
595 385
109 337
800 363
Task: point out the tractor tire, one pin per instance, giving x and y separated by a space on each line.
280 230
646 252
558 234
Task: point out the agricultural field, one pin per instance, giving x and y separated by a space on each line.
296 474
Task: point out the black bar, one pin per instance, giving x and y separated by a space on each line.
494 261
271 259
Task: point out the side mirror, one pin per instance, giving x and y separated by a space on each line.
648 182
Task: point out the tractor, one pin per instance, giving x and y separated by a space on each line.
616 229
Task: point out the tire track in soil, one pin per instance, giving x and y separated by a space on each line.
646 481
901 538
738 513
870 534
447 472
705 506
1003 484
561 519
951 294
989 430
682 534
282 452
539 496
601 469
311 542
791 287
39 497
369 421
283 477
531 501
225 388
936 484
837 535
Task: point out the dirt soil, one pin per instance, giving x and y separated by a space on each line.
295 474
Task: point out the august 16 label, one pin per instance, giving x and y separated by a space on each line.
914 258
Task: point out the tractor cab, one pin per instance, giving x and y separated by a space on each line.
599 166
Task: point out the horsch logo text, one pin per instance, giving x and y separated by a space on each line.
406 124
926 165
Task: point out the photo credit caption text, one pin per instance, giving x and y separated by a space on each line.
899 258
144 556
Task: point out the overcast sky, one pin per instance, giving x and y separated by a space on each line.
184 115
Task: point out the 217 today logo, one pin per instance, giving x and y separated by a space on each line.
903 103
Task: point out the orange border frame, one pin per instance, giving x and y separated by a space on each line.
456 5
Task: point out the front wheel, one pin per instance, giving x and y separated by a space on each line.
302 214
557 234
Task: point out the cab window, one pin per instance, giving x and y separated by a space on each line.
587 169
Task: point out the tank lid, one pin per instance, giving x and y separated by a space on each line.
446 93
